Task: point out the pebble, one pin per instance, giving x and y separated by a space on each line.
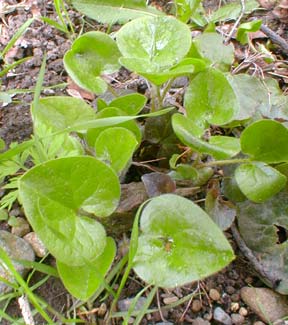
16 248
221 316
230 290
268 305
214 294
124 304
280 322
21 228
196 305
170 300
234 307
200 321
237 319
235 297
102 309
37 245
243 311
259 323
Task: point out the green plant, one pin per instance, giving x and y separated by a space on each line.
74 183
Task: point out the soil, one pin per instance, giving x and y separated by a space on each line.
15 123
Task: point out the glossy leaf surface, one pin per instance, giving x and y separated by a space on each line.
115 147
131 104
91 55
152 45
220 147
179 243
113 11
55 194
83 281
210 99
266 140
258 181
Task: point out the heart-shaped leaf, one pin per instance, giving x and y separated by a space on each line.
92 134
264 230
179 243
266 140
243 29
210 46
113 11
152 45
83 281
115 147
221 147
92 55
259 181
55 194
210 99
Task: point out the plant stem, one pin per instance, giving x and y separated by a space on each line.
112 91
166 89
222 162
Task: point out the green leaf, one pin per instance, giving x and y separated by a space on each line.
258 181
91 55
186 8
263 228
113 11
2 144
83 281
243 29
210 46
209 99
183 171
251 94
266 140
131 104
231 11
152 45
221 147
179 243
92 134
58 113
115 147
55 194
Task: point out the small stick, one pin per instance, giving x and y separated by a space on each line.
275 38
237 22
25 310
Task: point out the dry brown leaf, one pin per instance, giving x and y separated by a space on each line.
76 91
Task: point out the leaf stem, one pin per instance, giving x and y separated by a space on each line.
222 162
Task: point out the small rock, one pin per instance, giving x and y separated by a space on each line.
221 316
196 305
234 307
21 228
16 248
235 297
280 322
102 309
237 319
267 304
258 323
37 245
165 323
214 294
124 304
243 311
200 321
170 300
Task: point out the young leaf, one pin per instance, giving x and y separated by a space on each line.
55 193
131 104
115 147
243 29
186 8
152 44
179 243
210 46
113 11
91 55
266 140
210 99
83 281
221 147
258 181
92 134
183 171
